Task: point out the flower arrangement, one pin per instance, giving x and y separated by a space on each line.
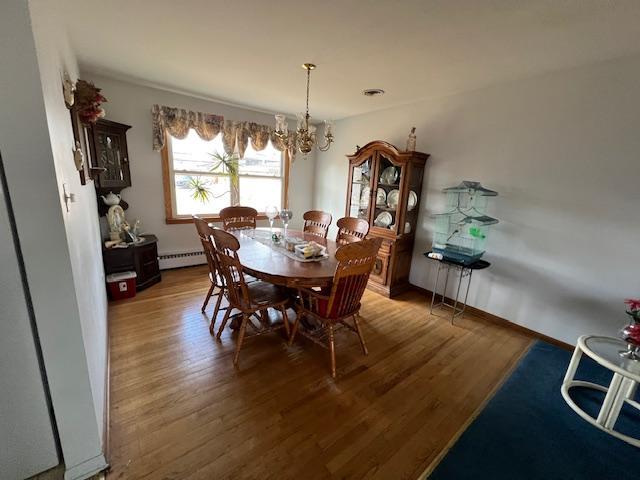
631 333
88 100
633 308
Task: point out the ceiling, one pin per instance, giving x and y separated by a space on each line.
249 52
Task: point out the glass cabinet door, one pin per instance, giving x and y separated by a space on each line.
111 159
361 184
387 195
413 199
110 155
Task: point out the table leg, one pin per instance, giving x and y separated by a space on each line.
631 393
435 288
446 282
466 295
627 387
455 303
573 365
610 400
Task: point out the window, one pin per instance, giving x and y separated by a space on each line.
198 180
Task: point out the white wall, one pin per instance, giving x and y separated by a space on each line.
61 250
562 149
81 223
27 442
131 104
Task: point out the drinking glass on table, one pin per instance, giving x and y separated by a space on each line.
272 213
285 216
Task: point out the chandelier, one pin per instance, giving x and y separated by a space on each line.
306 136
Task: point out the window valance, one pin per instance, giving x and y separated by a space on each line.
235 134
178 121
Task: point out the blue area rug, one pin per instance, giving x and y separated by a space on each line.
527 431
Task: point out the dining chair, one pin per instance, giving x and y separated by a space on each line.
351 230
316 222
251 299
355 262
217 282
238 218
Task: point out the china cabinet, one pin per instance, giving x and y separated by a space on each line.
384 188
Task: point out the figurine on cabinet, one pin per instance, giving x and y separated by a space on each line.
411 140
116 219
111 199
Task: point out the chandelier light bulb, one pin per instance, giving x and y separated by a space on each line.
282 128
301 121
328 128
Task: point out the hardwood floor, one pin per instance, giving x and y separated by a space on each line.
180 410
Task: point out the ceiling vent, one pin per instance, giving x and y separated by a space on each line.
373 92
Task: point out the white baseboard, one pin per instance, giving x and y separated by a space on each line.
86 469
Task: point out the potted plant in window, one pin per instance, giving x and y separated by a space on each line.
224 165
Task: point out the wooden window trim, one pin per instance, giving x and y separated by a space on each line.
171 219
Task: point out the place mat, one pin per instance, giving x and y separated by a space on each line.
264 238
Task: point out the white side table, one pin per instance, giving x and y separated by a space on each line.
626 376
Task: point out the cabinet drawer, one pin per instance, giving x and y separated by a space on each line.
118 260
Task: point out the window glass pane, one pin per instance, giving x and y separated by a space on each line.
195 154
267 162
260 192
214 194
197 188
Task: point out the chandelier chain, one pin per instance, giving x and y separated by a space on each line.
308 81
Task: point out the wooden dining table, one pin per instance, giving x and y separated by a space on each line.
270 264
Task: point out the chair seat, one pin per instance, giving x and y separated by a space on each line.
264 293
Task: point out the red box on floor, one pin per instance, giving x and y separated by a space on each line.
121 285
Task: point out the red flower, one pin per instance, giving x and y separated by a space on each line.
632 334
633 304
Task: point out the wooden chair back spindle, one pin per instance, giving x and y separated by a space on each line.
316 222
355 262
204 233
226 249
238 218
351 230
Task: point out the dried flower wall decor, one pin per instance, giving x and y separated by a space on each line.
88 101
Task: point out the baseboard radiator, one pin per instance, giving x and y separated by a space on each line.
181 259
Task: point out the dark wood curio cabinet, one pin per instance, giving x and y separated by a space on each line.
110 156
384 188
141 258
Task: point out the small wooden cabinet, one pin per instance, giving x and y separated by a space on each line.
110 155
384 188
141 258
